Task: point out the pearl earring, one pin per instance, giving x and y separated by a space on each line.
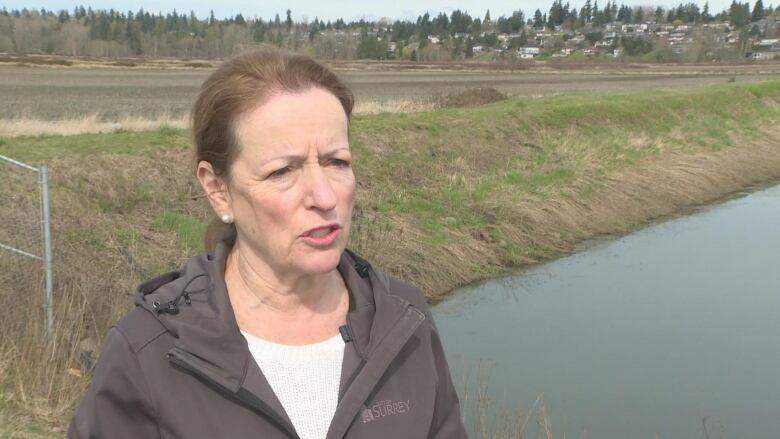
227 219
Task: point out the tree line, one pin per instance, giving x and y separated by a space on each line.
110 33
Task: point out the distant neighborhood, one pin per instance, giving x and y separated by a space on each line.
685 33
649 39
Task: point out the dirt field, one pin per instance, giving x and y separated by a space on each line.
53 93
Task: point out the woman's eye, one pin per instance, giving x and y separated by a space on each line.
280 172
340 163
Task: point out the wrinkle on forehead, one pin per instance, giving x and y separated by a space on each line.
313 116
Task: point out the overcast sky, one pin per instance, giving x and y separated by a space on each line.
347 9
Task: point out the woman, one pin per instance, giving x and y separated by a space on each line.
279 331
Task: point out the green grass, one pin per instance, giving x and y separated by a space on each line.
35 149
446 170
189 231
521 145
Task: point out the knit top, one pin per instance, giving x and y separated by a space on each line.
305 379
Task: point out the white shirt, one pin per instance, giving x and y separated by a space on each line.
305 379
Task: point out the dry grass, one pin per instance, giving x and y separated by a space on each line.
92 123
393 106
96 123
496 216
592 205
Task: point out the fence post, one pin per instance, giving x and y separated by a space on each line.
20 249
48 259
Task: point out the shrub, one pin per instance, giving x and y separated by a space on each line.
470 98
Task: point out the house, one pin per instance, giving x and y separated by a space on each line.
434 40
477 49
765 56
768 26
635 27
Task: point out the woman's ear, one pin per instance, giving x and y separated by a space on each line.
215 188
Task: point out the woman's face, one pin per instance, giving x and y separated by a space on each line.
291 188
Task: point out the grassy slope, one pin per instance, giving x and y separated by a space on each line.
445 197
443 176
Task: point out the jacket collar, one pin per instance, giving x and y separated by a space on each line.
207 336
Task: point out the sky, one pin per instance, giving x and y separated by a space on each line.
347 9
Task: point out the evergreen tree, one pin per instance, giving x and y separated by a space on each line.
758 11
639 15
738 15
659 14
624 14
538 20
585 12
288 21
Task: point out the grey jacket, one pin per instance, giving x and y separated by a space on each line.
178 367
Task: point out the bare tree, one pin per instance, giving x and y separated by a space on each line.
28 34
73 39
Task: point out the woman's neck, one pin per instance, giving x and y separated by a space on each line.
292 309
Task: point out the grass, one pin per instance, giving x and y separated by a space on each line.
189 231
445 197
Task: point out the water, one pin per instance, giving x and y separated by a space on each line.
642 336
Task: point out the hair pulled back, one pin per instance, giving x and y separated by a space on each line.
241 84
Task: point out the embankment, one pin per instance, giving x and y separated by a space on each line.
446 197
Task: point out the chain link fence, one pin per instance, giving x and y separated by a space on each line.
26 271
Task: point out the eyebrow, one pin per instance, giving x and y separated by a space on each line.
300 158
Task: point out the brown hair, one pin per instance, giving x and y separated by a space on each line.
239 85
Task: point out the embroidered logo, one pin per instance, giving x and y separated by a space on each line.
380 409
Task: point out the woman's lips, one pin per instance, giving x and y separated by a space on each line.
323 236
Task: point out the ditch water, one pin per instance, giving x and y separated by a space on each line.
666 332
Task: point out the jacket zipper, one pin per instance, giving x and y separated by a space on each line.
351 379
244 396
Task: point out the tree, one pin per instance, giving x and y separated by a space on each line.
738 14
639 15
585 12
659 14
370 47
758 11
538 21
624 14
288 21
705 13
486 21
636 46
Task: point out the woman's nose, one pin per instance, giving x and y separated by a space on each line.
320 190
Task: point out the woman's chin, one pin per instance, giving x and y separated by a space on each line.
319 261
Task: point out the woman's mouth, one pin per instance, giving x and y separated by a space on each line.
322 236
